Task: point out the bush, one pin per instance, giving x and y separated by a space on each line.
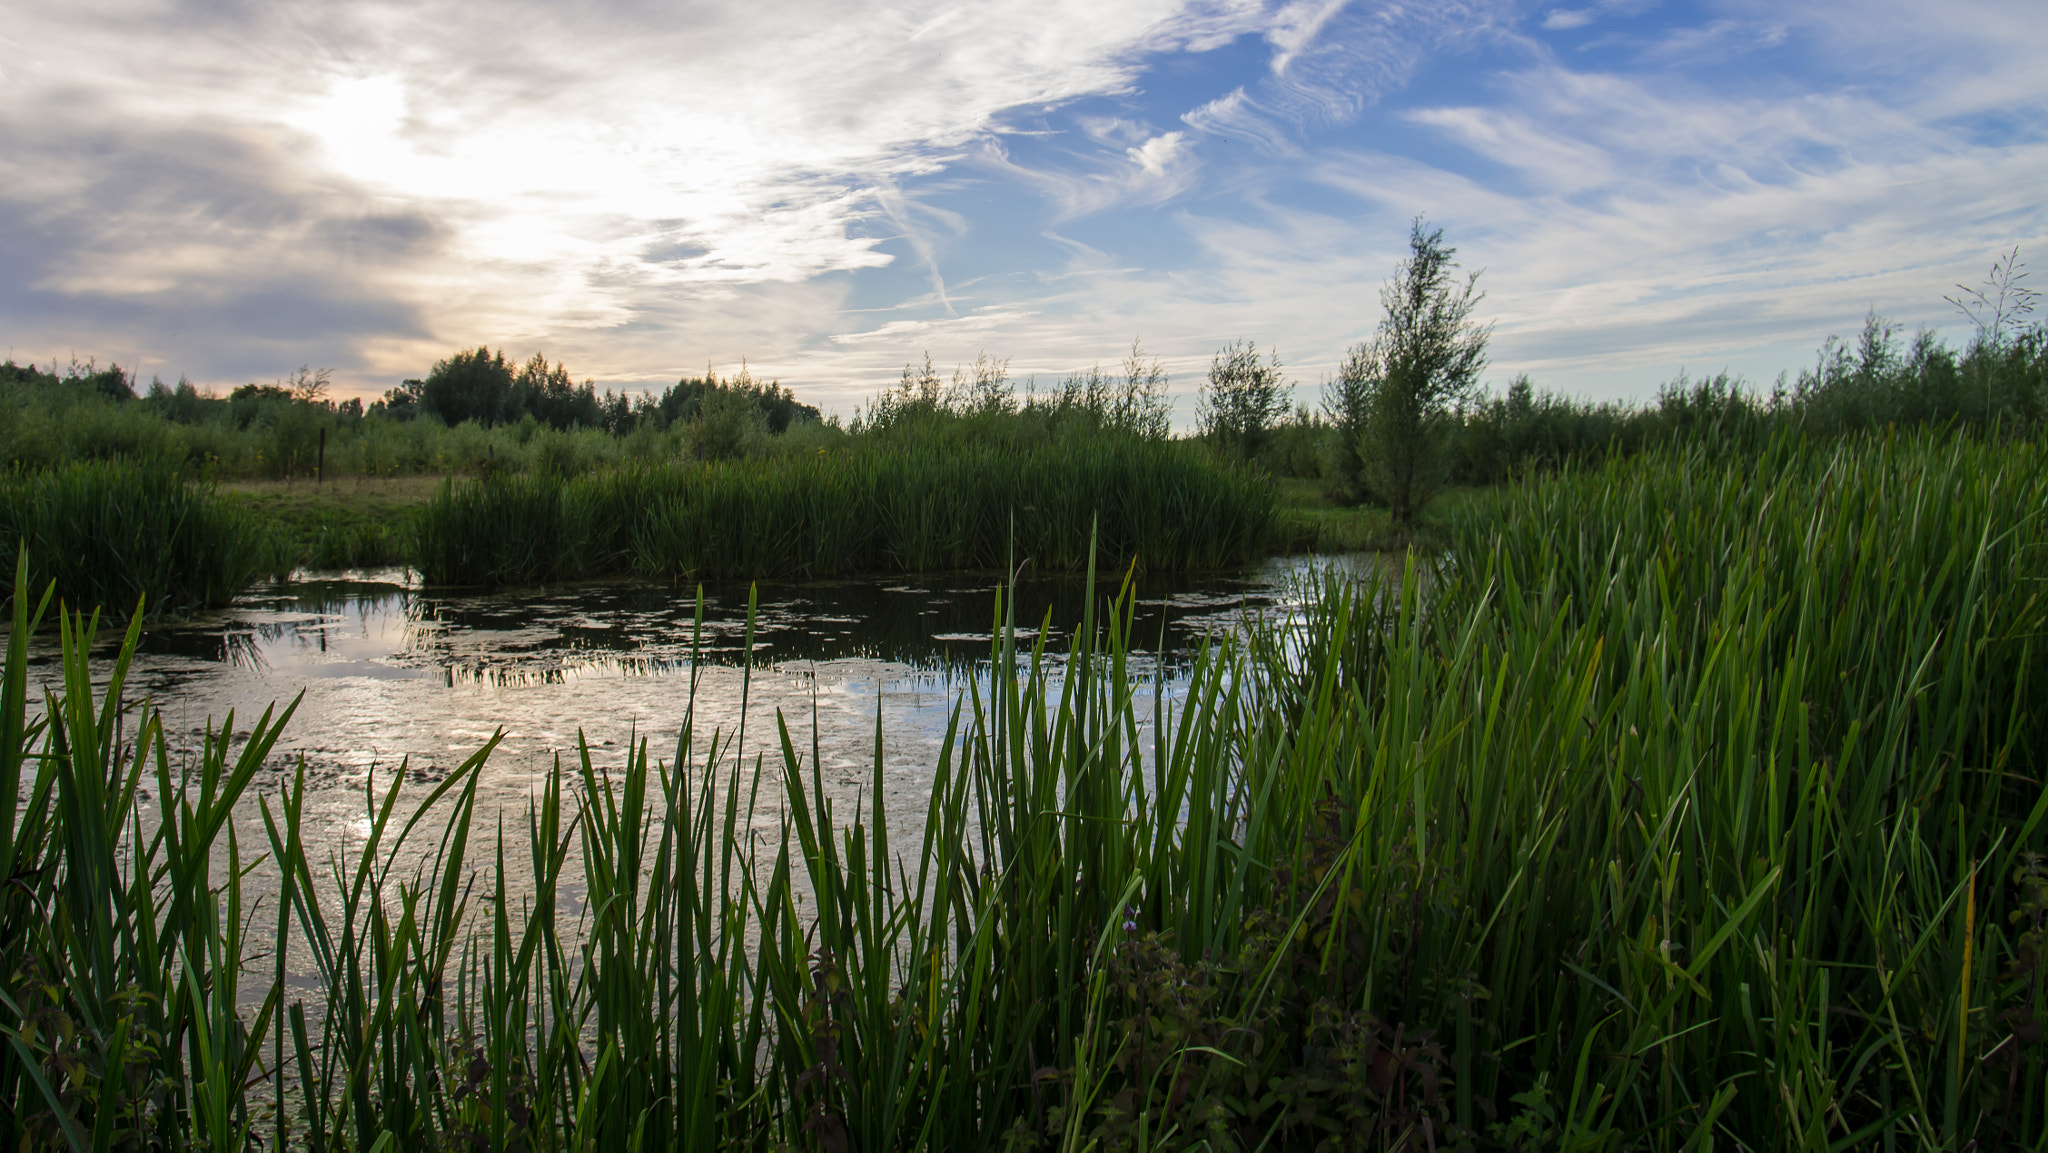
727 425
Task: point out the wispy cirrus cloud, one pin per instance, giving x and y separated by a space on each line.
1635 219
234 189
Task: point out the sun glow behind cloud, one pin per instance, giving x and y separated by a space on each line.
831 191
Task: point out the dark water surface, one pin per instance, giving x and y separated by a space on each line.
392 673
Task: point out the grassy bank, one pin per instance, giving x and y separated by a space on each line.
1163 504
1309 521
1698 806
357 522
109 532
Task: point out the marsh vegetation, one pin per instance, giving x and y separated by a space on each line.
1699 799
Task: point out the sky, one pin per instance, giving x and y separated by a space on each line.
226 190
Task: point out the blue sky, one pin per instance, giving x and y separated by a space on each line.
227 190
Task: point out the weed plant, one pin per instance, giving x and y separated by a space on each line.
1686 803
111 533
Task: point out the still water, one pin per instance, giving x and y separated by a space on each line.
388 673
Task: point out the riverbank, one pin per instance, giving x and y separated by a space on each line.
350 522
361 522
101 530
1112 500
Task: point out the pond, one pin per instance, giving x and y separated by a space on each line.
389 673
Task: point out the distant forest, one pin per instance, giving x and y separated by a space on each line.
479 385
482 385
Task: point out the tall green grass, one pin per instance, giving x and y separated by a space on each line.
111 533
829 514
1731 777
1689 804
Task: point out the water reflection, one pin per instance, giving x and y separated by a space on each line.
382 625
388 673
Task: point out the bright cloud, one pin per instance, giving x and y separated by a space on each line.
1160 153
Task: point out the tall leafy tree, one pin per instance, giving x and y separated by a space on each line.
1395 400
470 386
547 393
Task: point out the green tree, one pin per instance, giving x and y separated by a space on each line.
1395 400
469 386
1243 398
547 392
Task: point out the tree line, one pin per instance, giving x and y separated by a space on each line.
483 386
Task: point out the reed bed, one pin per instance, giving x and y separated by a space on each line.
116 533
1168 506
1688 804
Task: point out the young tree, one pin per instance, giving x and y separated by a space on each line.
1345 401
1140 404
308 386
1394 401
1242 399
728 425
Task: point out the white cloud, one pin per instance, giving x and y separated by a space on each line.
1564 19
1237 115
1634 223
1297 25
1151 173
1160 154
1333 60
1651 223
